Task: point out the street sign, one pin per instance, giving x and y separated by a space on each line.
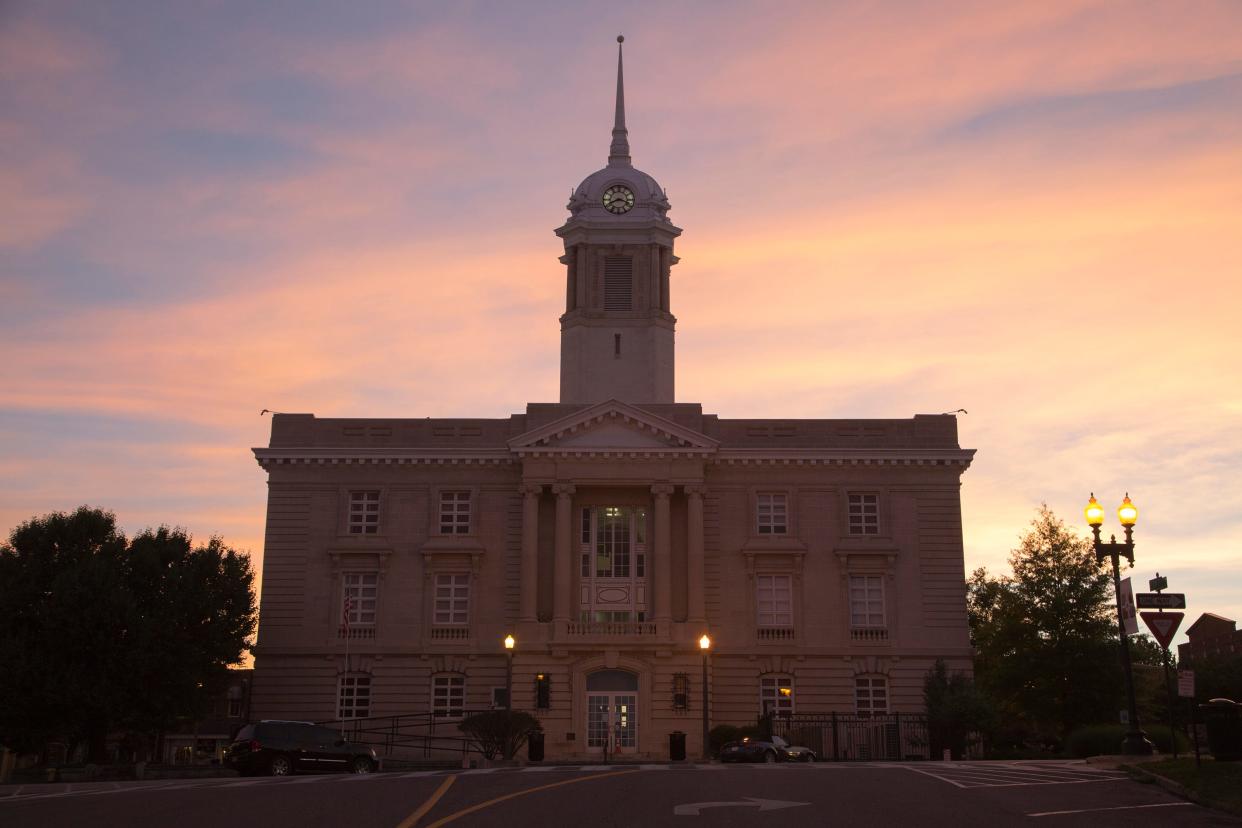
1161 600
1126 608
1158 583
1163 625
1186 684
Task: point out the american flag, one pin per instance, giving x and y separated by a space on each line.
345 612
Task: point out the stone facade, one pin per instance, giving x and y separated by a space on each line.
607 533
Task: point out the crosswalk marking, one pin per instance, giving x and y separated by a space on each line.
1011 775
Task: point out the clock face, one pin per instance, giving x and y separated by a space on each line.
618 199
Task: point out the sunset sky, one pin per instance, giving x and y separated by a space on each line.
1029 210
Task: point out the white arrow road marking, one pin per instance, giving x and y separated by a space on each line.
693 808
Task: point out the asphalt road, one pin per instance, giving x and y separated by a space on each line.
926 794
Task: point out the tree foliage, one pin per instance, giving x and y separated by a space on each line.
1046 636
955 710
101 633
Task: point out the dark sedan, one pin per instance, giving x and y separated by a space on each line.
775 749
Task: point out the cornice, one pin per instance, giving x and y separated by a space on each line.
268 457
515 452
844 457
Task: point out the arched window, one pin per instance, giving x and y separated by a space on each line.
612 681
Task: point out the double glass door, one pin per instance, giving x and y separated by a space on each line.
612 722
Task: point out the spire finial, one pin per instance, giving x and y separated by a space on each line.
619 152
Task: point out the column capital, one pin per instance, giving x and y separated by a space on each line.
695 489
529 489
662 489
563 489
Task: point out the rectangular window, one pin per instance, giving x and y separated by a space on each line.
448 696
452 601
235 708
500 698
363 513
618 283
864 514
871 696
867 601
773 513
543 691
681 691
612 543
774 600
354 700
360 589
776 695
454 513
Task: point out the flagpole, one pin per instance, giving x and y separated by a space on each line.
346 607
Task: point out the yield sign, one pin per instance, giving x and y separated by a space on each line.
1163 625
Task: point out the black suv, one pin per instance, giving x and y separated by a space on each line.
281 748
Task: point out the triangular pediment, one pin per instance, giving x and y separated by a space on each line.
613 426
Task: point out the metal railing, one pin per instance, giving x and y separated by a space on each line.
418 738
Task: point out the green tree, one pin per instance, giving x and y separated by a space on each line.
102 634
955 710
1046 637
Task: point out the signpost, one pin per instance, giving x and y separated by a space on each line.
1186 690
1163 626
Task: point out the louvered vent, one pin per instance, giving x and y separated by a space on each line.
618 283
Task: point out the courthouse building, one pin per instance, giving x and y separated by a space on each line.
608 532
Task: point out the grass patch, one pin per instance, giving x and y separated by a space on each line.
1216 784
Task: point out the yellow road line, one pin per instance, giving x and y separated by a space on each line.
409 821
446 820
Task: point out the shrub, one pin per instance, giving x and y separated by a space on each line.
1106 739
499 732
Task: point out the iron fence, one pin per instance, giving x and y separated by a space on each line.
844 737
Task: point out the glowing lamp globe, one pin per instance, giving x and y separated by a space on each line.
509 642
1094 512
704 642
1127 512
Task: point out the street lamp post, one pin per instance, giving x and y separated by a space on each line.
509 642
1136 742
705 644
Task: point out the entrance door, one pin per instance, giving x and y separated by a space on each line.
612 712
612 722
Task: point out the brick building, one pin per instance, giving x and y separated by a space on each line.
607 532
1210 636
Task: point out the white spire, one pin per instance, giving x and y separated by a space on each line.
619 152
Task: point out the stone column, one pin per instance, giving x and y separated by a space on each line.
530 550
662 537
562 579
696 579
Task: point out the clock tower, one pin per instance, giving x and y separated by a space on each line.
617 329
